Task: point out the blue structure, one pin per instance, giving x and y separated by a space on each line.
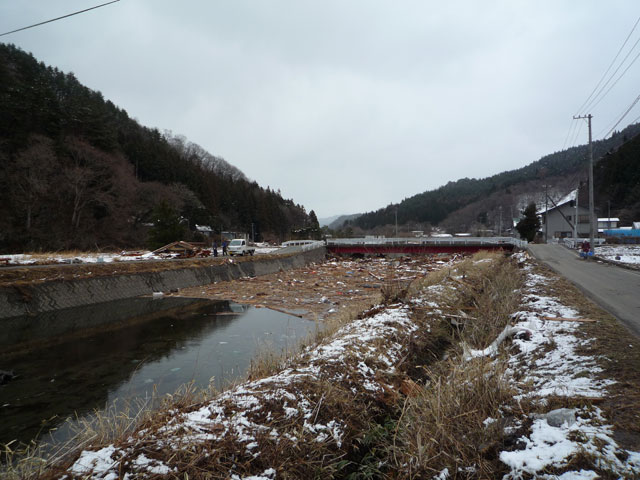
625 235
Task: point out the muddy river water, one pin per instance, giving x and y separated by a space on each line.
186 340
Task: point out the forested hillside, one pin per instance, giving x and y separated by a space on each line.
435 206
617 180
78 172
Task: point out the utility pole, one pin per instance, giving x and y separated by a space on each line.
591 215
396 222
546 214
500 227
575 224
513 234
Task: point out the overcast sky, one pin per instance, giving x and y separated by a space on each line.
347 106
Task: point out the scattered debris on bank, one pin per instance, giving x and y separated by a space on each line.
322 289
411 388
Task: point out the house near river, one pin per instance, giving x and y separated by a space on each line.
566 218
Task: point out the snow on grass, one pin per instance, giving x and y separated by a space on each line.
549 353
268 474
549 446
547 363
151 466
629 254
96 464
279 407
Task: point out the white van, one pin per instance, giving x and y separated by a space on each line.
239 246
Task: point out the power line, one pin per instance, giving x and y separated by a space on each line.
618 79
577 134
633 104
635 120
610 65
572 127
597 99
58 18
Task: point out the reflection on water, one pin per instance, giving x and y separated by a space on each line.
204 342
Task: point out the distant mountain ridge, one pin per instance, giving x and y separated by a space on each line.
439 206
338 222
326 221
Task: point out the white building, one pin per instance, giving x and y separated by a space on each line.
205 230
607 224
565 219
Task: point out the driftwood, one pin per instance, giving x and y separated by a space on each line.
492 349
461 282
443 308
380 279
562 319
463 317
285 312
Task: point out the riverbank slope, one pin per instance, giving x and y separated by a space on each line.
417 387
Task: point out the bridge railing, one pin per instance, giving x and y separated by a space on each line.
302 246
489 241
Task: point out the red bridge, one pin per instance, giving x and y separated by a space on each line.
420 246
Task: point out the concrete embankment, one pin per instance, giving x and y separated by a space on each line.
30 299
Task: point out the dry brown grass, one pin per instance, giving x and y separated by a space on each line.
443 425
484 296
43 460
492 289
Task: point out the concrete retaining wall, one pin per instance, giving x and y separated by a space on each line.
50 296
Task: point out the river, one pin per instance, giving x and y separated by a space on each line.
182 341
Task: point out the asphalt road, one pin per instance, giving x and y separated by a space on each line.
615 289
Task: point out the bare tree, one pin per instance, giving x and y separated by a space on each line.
29 176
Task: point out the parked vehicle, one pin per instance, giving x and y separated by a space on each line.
240 246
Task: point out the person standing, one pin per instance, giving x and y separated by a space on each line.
586 248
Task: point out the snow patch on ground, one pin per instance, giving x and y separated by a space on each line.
549 355
548 363
550 446
95 464
629 254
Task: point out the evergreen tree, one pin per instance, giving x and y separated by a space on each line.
529 224
314 225
166 226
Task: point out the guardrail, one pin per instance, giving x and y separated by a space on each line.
574 243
